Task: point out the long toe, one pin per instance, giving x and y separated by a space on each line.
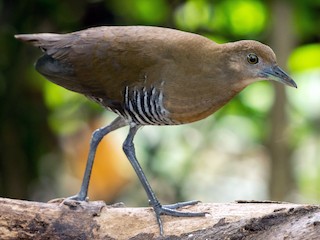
175 213
76 198
181 204
170 210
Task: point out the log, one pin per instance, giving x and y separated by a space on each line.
96 220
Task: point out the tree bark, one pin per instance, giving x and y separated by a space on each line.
281 183
95 220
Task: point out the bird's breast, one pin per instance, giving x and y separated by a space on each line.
192 104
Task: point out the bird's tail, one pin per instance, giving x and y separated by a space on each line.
42 40
50 43
38 39
54 64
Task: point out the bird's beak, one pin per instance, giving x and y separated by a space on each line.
277 74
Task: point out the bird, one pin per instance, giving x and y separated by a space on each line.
151 76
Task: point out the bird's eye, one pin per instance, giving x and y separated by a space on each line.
252 58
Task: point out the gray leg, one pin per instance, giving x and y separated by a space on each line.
95 140
128 148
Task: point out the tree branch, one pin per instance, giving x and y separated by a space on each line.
95 220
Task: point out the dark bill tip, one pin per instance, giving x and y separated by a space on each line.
275 73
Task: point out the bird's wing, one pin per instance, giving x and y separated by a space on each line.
97 61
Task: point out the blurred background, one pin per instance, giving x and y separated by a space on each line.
265 144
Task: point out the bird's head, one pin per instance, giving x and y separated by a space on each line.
253 61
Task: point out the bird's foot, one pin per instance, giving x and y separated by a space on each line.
171 211
71 202
78 197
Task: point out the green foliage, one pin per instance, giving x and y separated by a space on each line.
193 14
237 18
241 18
140 11
306 18
66 107
304 58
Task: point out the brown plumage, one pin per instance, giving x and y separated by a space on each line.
152 76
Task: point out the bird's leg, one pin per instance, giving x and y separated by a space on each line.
95 140
128 148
